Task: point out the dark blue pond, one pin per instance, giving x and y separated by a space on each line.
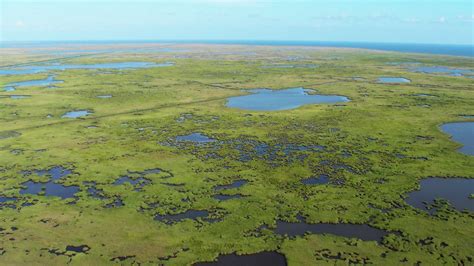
455 190
274 100
235 184
6 199
361 231
393 80
78 249
222 197
461 132
33 69
51 187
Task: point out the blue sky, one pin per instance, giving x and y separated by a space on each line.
434 21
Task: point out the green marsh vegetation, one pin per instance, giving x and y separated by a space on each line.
375 149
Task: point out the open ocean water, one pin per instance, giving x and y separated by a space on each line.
441 49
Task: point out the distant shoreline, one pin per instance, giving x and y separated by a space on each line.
438 49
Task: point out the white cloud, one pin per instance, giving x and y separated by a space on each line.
19 24
466 18
411 20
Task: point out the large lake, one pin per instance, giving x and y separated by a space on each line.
461 132
276 100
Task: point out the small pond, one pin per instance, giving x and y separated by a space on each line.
275 100
194 137
78 249
76 114
265 258
461 132
33 69
455 190
223 197
393 80
106 96
235 184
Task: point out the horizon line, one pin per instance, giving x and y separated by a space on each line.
233 40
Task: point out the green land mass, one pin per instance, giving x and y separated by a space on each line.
377 148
